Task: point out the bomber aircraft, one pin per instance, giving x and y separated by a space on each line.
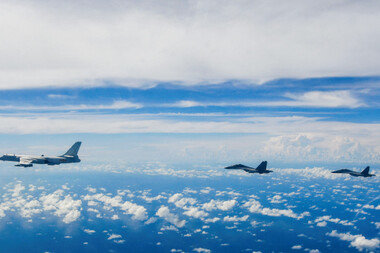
364 173
71 156
261 169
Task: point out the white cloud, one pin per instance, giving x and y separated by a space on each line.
165 213
174 197
255 206
212 220
195 212
276 199
329 99
322 224
202 250
116 105
138 212
114 236
341 98
18 188
151 220
290 138
315 172
169 228
89 231
235 218
357 241
115 217
59 96
68 208
318 146
367 206
150 199
321 221
297 247
90 189
138 41
219 204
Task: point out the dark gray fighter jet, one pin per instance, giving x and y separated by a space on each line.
71 156
364 173
261 169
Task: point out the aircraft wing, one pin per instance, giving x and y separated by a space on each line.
237 167
250 170
25 162
344 171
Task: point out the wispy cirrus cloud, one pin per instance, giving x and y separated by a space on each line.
317 99
116 105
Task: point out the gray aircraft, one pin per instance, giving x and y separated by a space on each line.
71 156
261 169
364 173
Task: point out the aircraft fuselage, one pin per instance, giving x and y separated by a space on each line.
48 160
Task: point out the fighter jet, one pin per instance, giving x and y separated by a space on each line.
261 169
364 173
71 156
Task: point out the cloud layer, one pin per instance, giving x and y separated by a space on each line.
132 43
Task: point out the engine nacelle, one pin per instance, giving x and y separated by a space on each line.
52 161
24 165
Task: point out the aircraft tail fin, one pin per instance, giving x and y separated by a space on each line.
73 151
365 171
262 166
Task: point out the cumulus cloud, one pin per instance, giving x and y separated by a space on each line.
181 202
321 221
195 212
235 218
150 199
219 204
318 146
138 212
212 220
202 250
367 206
255 206
89 231
357 241
62 205
18 188
164 212
114 236
276 199
136 42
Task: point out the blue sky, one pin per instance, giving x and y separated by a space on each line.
232 120
178 81
164 95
